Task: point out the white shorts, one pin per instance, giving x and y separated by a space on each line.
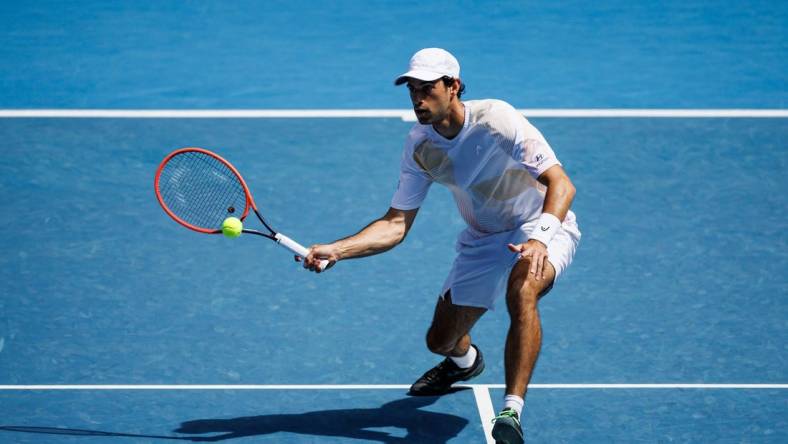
481 270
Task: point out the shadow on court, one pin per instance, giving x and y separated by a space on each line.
420 426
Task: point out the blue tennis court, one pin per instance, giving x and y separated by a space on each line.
118 325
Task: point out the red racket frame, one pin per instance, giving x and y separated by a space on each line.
279 238
249 199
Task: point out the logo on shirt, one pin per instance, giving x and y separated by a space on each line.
539 158
545 228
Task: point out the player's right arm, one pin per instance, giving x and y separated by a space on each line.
381 235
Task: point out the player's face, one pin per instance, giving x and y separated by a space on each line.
430 100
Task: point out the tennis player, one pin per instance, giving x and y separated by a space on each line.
514 195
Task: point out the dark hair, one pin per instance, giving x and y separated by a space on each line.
448 81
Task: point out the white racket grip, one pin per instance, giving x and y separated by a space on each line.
296 248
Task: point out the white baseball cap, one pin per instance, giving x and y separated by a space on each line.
430 64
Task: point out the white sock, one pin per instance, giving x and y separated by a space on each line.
514 402
467 359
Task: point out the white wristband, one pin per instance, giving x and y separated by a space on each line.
545 228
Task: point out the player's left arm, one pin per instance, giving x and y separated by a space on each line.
558 200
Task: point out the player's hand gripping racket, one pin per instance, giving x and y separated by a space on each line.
200 190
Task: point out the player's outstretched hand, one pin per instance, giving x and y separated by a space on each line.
534 251
319 253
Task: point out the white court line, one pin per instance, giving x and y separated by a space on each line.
486 411
705 113
373 386
404 114
207 113
481 392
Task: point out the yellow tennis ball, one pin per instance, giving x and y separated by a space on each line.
232 226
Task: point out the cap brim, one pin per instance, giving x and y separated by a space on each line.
426 76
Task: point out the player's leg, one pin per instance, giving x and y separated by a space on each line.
525 331
449 335
522 345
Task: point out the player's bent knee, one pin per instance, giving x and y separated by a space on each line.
524 289
523 292
523 284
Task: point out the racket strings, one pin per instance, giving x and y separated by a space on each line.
201 190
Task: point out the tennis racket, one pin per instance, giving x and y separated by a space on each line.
199 190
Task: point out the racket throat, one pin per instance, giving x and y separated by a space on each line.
261 218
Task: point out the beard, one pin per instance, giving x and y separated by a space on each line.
424 116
